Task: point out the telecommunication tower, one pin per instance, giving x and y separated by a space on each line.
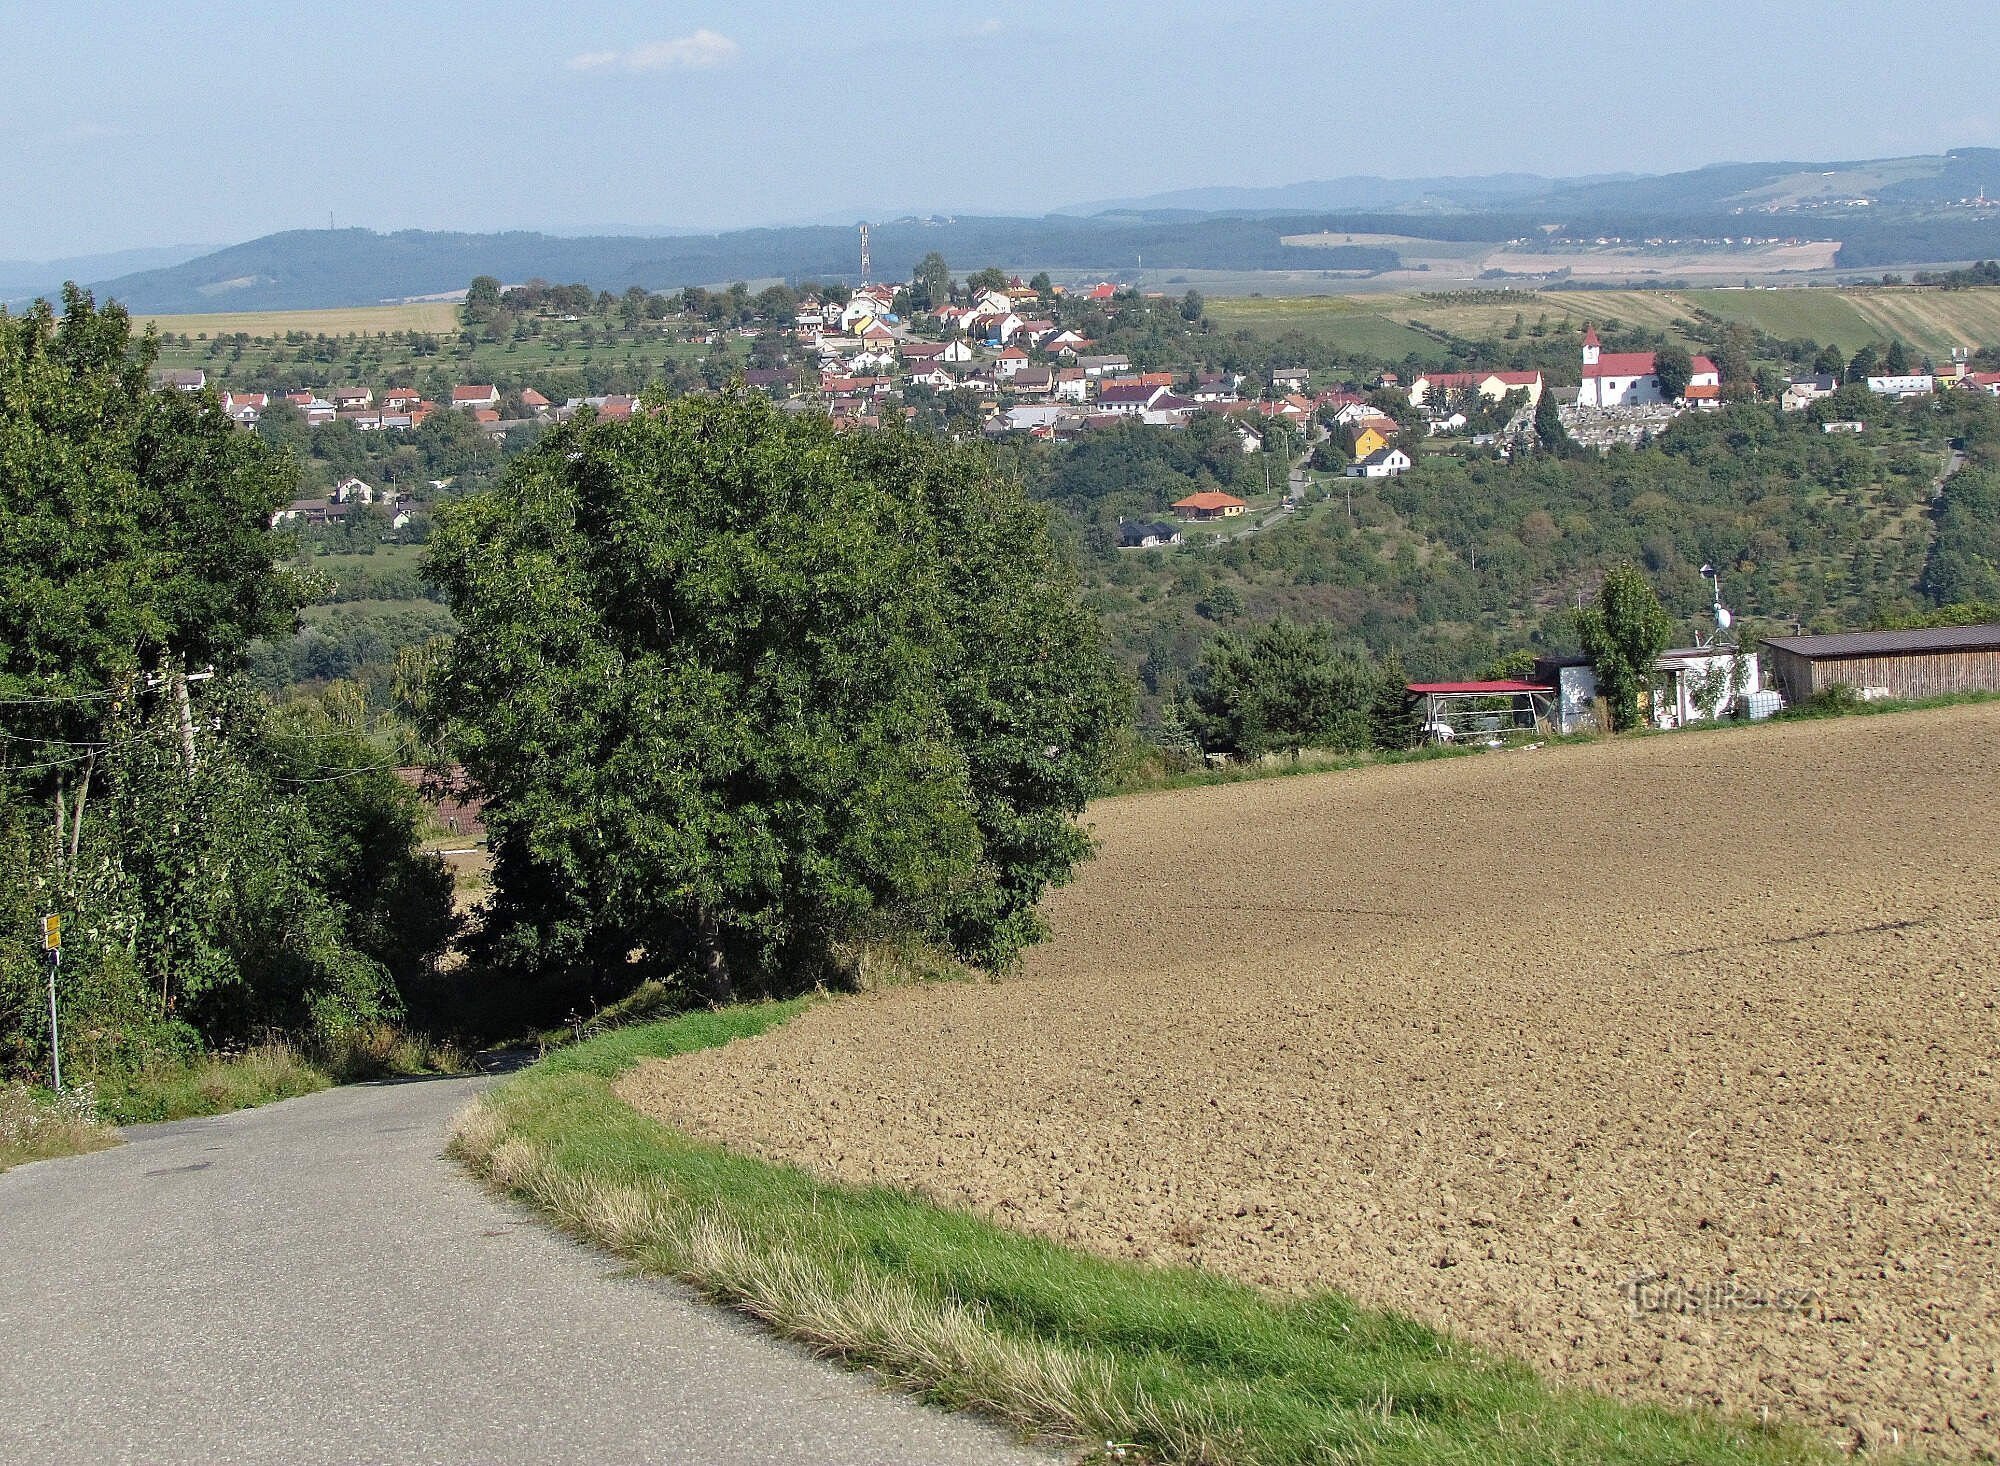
864 254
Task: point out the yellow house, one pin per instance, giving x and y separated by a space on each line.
1365 438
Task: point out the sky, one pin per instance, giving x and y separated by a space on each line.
127 125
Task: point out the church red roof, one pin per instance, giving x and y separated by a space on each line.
1621 364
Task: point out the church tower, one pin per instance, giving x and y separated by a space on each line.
1591 347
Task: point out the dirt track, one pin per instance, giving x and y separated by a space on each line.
1483 1041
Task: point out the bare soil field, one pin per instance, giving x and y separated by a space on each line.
1667 1065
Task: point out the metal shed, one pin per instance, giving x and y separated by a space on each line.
1923 663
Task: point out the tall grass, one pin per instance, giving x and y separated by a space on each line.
1170 1363
36 1125
276 1069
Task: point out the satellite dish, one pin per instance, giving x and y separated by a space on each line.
1722 617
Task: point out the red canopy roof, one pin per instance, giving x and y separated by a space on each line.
1478 689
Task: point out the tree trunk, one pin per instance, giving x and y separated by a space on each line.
76 815
186 711
718 986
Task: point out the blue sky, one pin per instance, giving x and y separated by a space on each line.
126 125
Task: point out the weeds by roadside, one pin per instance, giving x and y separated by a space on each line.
171 1089
1057 1344
36 1125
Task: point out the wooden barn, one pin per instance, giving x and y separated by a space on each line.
1925 663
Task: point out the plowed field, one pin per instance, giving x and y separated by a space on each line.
1486 1041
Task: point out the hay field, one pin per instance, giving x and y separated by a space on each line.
1485 1041
363 320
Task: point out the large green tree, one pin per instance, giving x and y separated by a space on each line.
222 874
1623 635
1285 687
743 692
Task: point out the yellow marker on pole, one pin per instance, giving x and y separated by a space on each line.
52 944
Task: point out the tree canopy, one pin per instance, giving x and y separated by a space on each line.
744 691
1623 635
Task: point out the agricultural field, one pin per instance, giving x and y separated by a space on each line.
365 320
1932 321
1540 1046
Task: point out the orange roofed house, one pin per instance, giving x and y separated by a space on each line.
1209 504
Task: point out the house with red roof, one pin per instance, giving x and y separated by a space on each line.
1103 290
1010 361
1209 504
1629 379
1432 388
470 399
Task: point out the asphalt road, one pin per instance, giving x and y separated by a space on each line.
312 1282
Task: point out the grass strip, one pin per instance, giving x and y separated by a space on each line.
1170 1364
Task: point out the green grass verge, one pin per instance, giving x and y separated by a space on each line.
1170 1363
214 1084
210 1085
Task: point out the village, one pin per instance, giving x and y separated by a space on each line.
1003 360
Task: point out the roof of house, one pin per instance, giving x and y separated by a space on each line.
1128 392
1984 637
1383 455
1702 392
472 394
1500 687
531 398
1210 499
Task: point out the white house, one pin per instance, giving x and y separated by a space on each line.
1130 401
1628 378
1382 463
1010 361
1032 415
1907 384
469 399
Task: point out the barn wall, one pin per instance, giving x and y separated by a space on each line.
1925 674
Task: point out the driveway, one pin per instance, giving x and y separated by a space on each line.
313 1282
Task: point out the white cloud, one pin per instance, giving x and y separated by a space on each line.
697 52
988 27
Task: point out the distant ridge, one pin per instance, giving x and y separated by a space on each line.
1893 212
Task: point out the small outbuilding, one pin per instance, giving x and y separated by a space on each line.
1922 663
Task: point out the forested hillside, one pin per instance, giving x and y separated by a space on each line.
1469 558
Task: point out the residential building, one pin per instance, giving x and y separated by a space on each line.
1209 504
1142 535
1802 392
1430 389
1388 462
1902 385
469 399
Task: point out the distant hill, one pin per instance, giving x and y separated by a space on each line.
24 279
310 268
1912 215
1365 193
1922 182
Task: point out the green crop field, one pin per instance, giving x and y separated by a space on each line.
1371 324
